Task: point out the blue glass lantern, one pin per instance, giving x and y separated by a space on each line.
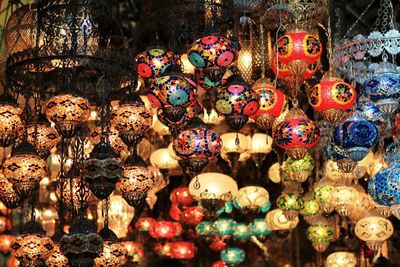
384 88
392 153
233 256
370 111
384 187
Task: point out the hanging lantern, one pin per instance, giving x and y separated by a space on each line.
154 62
136 181
332 97
242 232
296 133
11 124
342 198
113 138
74 192
233 256
212 190
205 230
192 215
5 243
114 253
374 230
276 220
135 251
224 227
383 88
8 196
323 190
82 245
144 224
320 233
260 229
212 51
218 244
69 112
341 259
183 250
57 259
291 204
32 245
25 169
310 208
299 170
163 249
43 136
272 103
132 119
102 170
236 101
253 199
197 144
213 78
165 229
181 196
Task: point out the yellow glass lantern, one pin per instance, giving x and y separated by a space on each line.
341 259
276 221
162 159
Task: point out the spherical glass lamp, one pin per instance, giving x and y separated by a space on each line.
242 232
261 143
5 243
183 250
310 208
277 221
205 230
68 111
24 169
113 137
43 136
299 170
135 251
162 159
154 62
57 259
320 233
224 227
165 229
8 196
323 190
260 229
374 230
253 198
181 196
343 198
341 259
291 204
11 124
212 190
114 252
233 256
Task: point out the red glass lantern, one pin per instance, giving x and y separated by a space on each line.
219 264
175 213
144 224
5 243
296 133
332 96
218 244
283 71
272 103
181 196
165 229
183 250
12 262
163 249
154 62
192 215
135 251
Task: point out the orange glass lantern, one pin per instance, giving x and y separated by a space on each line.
183 250
165 230
144 224
135 251
163 249
192 215
5 243
181 196
272 103
332 96
219 264
46 137
8 196
57 259
11 124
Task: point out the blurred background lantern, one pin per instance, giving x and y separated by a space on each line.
144 224
299 170
341 259
224 227
43 136
233 256
11 125
260 229
205 229
57 259
114 252
165 229
242 232
183 250
276 221
135 251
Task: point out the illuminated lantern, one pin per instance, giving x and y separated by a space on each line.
165 229
57 259
214 78
205 229
218 244
183 250
136 181
323 189
212 51
310 208
242 232
135 251
332 96
383 88
253 198
163 249
192 215
342 198
25 169
320 233
341 259
236 101
285 73
32 245
224 227
68 111
197 144
11 124
272 103
181 195
43 136
260 229
144 224
374 230
132 119
113 137
5 243
233 256
299 170
291 204
174 212
114 252
296 133
219 264
154 62
276 221
8 196
12 262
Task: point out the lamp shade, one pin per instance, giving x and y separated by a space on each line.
154 62
374 230
212 185
341 259
233 256
261 143
230 144
252 197
162 159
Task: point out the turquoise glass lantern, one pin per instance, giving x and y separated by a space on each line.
242 231
224 227
233 256
259 228
384 187
205 229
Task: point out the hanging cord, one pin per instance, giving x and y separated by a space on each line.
106 207
263 54
276 49
358 19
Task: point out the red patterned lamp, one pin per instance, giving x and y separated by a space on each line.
332 96
154 62
183 250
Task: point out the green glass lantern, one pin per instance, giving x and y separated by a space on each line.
320 233
310 208
291 203
242 232
259 228
299 170
205 230
322 192
224 227
233 256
